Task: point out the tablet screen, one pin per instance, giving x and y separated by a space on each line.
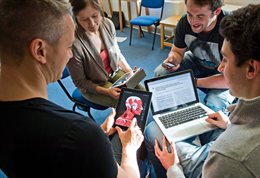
132 103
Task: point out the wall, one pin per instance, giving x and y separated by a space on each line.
241 2
173 7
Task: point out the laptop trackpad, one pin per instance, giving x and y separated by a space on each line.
192 129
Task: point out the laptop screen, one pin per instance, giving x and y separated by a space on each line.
172 91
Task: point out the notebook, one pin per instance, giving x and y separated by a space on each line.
130 79
132 103
176 93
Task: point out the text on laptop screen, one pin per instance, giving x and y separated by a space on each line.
172 92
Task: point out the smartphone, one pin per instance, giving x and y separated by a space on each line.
168 65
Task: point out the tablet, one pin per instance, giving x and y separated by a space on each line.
132 103
130 79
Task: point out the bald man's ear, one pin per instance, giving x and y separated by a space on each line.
253 68
38 50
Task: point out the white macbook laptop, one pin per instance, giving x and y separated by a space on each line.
175 106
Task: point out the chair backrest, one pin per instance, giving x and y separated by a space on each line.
154 4
76 102
65 73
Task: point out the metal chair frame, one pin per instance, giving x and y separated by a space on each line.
84 106
148 4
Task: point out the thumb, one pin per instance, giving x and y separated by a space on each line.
119 131
133 123
112 113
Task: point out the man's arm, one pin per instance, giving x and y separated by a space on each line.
214 81
131 140
169 159
175 56
129 167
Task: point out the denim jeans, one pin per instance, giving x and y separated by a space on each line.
191 154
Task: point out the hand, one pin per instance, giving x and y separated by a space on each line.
218 119
135 68
107 125
171 59
132 138
114 92
166 158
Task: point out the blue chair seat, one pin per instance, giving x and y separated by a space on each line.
144 20
78 96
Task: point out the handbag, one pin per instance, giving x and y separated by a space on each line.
116 21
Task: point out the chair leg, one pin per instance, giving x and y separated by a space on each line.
154 35
88 111
90 115
74 107
131 35
141 31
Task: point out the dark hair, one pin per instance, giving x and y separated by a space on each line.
78 5
242 30
24 20
214 4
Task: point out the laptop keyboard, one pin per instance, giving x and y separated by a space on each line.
179 117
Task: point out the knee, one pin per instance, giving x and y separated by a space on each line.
160 71
152 132
148 133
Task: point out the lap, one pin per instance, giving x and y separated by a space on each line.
191 154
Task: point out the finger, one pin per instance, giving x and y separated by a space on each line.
164 141
117 89
113 112
166 60
213 121
157 153
111 131
172 148
156 144
111 117
176 67
157 150
133 123
212 115
119 131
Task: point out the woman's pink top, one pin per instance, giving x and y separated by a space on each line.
106 61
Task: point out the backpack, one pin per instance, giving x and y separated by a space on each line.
116 21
